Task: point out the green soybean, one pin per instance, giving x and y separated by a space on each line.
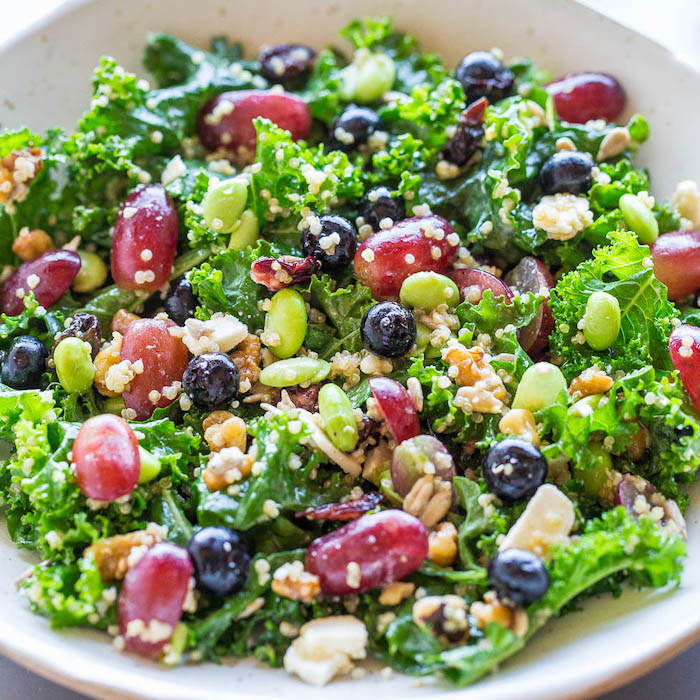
287 319
639 218
73 360
368 77
594 478
114 404
92 274
539 387
245 232
224 203
338 417
150 466
427 290
601 322
294 371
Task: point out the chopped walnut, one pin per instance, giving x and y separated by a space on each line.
590 381
442 544
31 243
121 320
247 357
492 610
112 553
521 423
17 172
445 617
292 581
430 499
223 429
106 358
226 467
640 443
396 592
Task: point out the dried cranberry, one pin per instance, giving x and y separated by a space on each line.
84 326
285 271
306 399
284 63
351 510
468 137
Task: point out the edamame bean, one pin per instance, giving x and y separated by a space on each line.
224 203
427 290
294 371
245 232
368 77
639 218
114 404
594 478
92 273
540 387
150 466
73 360
338 417
285 323
601 322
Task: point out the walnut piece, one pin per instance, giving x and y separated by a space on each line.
521 423
247 357
292 581
223 429
442 544
17 172
106 358
112 553
396 592
31 243
121 320
591 381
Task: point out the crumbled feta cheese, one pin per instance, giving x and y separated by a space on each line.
221 333
173 170
686 199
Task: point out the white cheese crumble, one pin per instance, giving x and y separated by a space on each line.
221 333
173 170
562 216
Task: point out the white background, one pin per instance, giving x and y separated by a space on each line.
674 23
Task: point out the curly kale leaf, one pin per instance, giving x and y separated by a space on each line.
344 308
278 440
614 544
34 320
289 176
624 270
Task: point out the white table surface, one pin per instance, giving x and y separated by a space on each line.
675 23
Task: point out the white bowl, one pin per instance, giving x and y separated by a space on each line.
45 80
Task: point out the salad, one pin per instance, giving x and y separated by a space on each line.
321 356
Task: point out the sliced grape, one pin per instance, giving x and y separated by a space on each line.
579 97
473 283
638 497
396 406
676 257
145 240
374 551
164 358
152 598
106 458
49 276
419 244
532 275
684 345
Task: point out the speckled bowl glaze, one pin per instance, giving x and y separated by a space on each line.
45 80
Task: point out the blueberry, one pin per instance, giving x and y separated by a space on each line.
284 63
483 75
211 380
353 128
181 301
220 559
379 204
24 363
518 576
567 171
514 469
334 247
388 329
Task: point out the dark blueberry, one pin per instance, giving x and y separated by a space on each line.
352 128
518 576
514 469
334 247
483 75
211 380
567 171
220 559
284 63
379 204
181 301
24 363
84 326
388 329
